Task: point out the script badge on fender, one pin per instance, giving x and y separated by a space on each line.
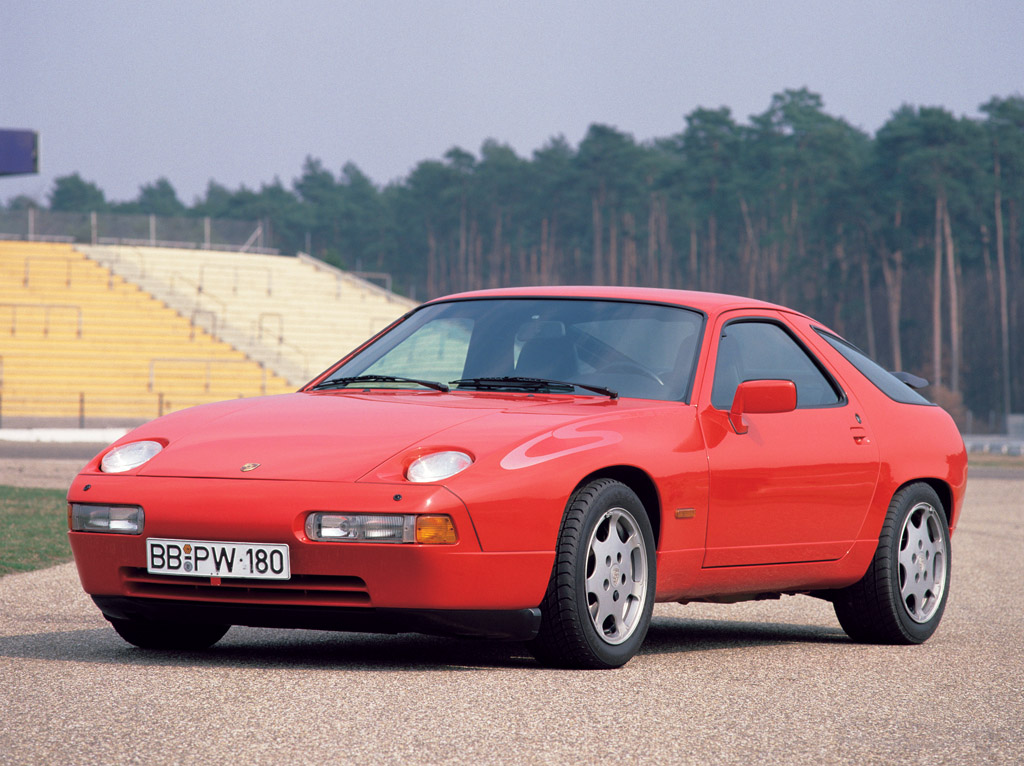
250 467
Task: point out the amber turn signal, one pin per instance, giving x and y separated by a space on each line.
435 530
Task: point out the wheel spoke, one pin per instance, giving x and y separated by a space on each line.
603 607
636 576
915 593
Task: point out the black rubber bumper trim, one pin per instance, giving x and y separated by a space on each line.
512 625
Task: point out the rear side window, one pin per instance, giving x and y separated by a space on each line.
884 381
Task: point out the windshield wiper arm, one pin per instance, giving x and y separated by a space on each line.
342 382
532 383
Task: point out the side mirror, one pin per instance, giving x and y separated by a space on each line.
756 396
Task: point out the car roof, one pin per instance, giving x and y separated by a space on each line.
709 303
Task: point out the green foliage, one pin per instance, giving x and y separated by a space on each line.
21 202
159 198
33 529
72 194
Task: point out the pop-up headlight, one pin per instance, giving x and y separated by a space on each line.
129 456
438 466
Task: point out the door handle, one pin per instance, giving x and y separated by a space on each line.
860 436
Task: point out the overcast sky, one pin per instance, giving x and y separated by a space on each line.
241 92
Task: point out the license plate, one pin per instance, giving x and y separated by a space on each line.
207 558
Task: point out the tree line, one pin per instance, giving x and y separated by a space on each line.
908 242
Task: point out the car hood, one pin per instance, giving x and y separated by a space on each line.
333 436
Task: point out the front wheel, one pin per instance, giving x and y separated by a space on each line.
148 634
901 598
601 594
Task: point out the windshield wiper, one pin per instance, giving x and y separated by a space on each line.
509 382
342 382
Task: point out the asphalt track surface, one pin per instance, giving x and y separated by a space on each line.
767 682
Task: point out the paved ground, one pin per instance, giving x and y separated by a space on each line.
772 682
49 465
48 473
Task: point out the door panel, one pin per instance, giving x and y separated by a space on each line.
796 486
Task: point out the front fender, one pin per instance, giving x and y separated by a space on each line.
516 496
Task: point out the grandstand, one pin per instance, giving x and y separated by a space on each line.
123 334
296 315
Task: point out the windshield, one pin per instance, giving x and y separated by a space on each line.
639 350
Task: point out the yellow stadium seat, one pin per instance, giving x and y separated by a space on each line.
78 341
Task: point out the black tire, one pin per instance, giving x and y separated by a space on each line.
601 594
147 634
901 598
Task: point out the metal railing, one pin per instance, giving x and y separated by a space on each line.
206 364
383 276
236 273
79 409
47 309
261 320
26 278
210 326
33 269
37 225
268 341
359 278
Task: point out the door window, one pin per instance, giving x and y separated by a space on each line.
762 350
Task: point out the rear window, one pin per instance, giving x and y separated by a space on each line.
883 380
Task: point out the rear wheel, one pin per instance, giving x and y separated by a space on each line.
148 634
901 598
601 594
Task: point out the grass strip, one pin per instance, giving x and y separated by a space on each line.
33 529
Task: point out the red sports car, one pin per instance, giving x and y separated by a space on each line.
536 464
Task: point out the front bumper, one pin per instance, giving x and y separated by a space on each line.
430 585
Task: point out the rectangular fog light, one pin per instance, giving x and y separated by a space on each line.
361 527
119 519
